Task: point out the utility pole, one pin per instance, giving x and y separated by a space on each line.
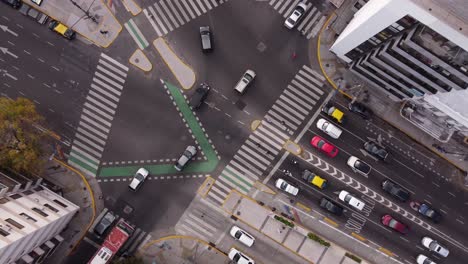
87 13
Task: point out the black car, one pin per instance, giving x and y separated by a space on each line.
360 109
13 3
199 96
376 150
104 224
331 206
395 190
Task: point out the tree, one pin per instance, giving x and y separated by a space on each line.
21 147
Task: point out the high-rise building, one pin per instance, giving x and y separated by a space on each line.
31 219
414 51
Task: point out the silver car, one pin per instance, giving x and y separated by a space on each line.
188 154
104 224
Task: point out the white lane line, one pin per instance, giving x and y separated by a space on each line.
443 211
460 221
436 184
451 194
41 60
404 239
27 52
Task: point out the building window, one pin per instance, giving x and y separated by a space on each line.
51 208
27 217
60 203
39 211
3 232
14 223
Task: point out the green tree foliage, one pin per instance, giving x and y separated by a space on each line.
20 140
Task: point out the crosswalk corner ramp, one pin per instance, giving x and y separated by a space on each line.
205 187
255 124
292 147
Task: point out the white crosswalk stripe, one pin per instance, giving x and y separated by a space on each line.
284 118
136 34
97 114
168 15
312 20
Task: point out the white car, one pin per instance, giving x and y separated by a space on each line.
421 259
434 246
359 166
240 258
188 154
329 128
296 15
243 237
138 179
245 80
351 200
285 186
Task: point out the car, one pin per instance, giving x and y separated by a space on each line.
324 146
331 206
388 220
329 128
61 29
42 18
188 154
205 35
238 257
359 166
376 150
296 15
33 13
24 8
422 259
199 96
395 190
245 80
426 210
333 112
314 179
285 186
360 109
104 224
13 3
138 179
351 200
242 236
434 246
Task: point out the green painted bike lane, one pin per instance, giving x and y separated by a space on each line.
199 134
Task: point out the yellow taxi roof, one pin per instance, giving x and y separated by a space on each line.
61 28
318 181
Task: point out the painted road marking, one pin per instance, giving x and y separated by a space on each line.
136 34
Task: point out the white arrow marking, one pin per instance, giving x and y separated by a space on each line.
5 73
5 51
5 28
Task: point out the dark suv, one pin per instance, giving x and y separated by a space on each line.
199 96
376 150
104 224
395 190
13 3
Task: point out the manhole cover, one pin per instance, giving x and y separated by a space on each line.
240 104
128 209
261 47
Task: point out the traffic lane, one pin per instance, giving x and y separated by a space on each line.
82 254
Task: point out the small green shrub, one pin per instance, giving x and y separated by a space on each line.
318 239
284 221
351 256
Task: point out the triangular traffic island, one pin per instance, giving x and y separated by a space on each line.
198 133
139 60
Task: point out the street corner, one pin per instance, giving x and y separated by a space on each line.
132 7
141 61
255 124
183 73
292 147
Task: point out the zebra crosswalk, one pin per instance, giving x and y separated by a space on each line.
284 118
97 115
313 19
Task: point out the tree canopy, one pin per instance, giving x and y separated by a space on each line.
21 146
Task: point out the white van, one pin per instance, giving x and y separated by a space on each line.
245 80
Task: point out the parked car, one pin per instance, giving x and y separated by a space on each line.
434 246
360 109
351 200
61 29
426 210
199 96
359 166
331 206
138 179
104 224
395 190
13 3
245 80
33 13
242 236
329 128
188 154
422 259
42 18
376 150
240 258
388 220
205 35
285 186
333 112
324 146
314 179
24 8
296 15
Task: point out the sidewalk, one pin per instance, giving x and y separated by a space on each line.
92 19
74 190
339 76
299 238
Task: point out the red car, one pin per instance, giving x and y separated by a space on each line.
388 220
324 146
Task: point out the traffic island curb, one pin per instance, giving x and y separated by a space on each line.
139 60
